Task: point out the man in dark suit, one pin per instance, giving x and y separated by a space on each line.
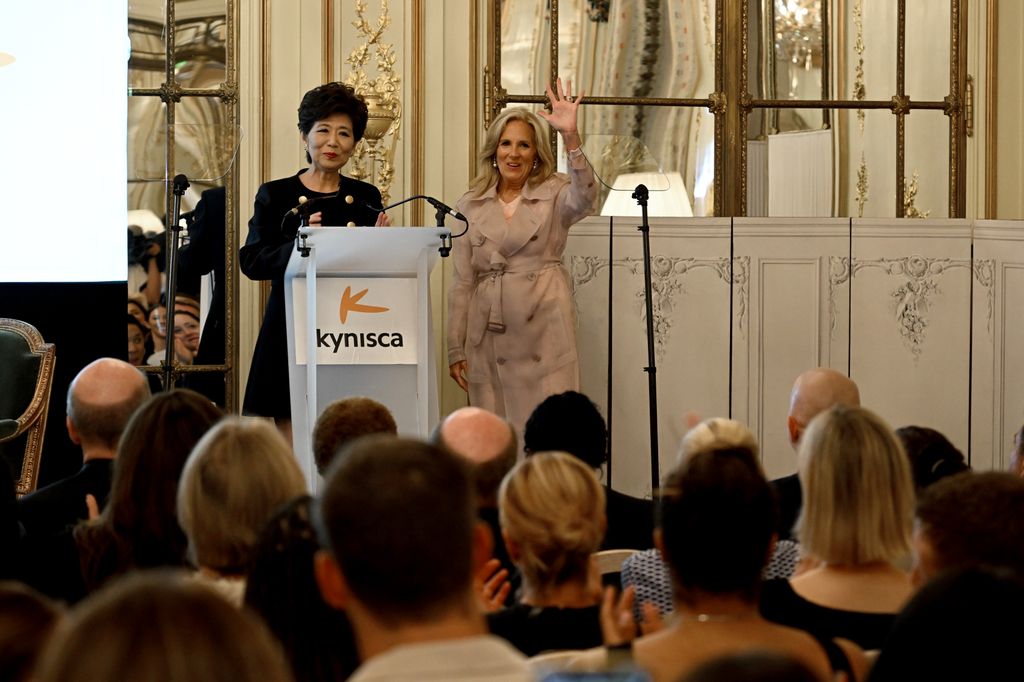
101 400
814 391
204 254
570 422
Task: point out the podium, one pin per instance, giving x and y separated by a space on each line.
371 332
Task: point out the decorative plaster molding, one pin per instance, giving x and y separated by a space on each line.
666 281
910 300
984 273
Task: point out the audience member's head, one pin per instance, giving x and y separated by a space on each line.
858 490
399 519
27 619
717 434
187 328
139 526
160 626
815 391
486 441
932 456
101 399
752 666
137 331
282 589
551 507
345 420
716 521
137 307
952 630
237 476
970 520
568 422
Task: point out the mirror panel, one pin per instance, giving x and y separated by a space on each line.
200 42
927 50
866 56
525 45
927 157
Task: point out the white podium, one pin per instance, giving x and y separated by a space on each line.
371 333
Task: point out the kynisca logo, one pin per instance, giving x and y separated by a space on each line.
351 304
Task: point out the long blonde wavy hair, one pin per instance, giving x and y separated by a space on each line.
487 175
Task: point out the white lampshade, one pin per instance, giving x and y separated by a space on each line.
667 198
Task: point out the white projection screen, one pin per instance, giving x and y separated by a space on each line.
63 157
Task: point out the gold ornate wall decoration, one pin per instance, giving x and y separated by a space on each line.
374 158
860 93
909 196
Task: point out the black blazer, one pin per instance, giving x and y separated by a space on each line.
265 256
204 253
51 509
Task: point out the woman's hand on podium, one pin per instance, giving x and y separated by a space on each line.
383 220
458 371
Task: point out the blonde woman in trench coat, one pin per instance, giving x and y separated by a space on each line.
511 330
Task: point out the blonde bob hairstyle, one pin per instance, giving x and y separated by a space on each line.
717 433
857 487
551 507
487 175
237 475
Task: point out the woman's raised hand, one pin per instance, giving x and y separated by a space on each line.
563 114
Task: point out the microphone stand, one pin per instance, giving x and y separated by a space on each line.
641 195
180 185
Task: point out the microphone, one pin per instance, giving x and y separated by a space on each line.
302 202
446 208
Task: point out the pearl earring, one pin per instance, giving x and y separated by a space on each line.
535 164
494 162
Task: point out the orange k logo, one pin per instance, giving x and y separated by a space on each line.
351 304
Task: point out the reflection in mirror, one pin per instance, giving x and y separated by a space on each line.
203 148
660 50
199 44
926 164
525 40
927 49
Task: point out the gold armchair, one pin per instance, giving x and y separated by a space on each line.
26 379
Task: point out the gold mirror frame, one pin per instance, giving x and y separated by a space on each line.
732 103
171 93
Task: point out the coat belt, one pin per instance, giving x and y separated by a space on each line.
488 295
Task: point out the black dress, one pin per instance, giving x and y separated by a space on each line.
534 630
781 604
265 256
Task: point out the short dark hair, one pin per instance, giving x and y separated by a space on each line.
398 516
134 320
974 520
717 515
282 588
932 456
333 98
568 422
345 420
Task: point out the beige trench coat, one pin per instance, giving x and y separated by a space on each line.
510 308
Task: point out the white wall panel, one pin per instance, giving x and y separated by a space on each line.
796 320
690 278
911 322
997 396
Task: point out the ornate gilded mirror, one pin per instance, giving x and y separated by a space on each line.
182 119
764 107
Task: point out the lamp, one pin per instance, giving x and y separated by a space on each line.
668 196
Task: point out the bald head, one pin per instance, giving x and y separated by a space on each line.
815 391
486 441
101 399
